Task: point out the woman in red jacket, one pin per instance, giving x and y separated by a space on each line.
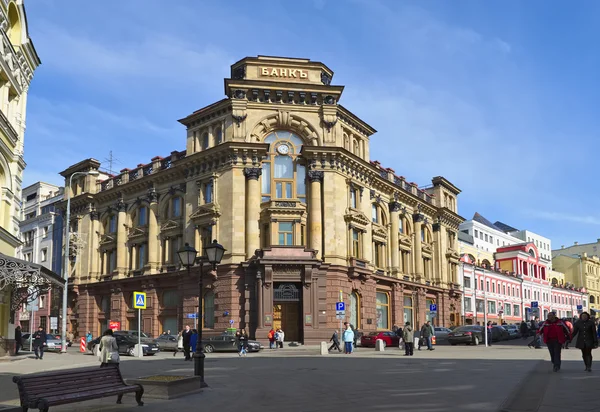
555 334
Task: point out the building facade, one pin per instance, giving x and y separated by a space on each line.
280 173
41 242
581 271
17 63
518 286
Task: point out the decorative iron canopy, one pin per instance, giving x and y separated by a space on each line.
27 280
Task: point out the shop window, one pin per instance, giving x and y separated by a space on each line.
355 310
284 173
286 233
408 310
383 310
209 310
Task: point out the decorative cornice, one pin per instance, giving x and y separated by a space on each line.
252 173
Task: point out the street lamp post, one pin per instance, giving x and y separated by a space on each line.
66 264
213 254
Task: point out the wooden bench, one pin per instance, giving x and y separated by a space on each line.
43 390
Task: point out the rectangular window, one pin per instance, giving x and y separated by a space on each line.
176 205
481 285
378 254
480 305
468 305
476 233
286 233
355 243
487 286
45 231
493 287
374 216
142 216
266 182
383 310
31 197
467 281
141 256
352 197
300 181
507 309
265 236
491 306
112 224
44 255
208 192
516 310
112 261
491 240
486 237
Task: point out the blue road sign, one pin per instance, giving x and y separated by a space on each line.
192 316
433 308
139 300
534 305
231 322
579 307
340 306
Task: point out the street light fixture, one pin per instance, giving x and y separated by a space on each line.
213 254
66 265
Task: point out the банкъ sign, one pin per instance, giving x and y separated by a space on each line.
283 73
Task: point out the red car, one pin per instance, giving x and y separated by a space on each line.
389 338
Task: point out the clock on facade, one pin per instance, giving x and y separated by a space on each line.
283 149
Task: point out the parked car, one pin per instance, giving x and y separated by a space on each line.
227 343
469 334
166 342
126 344
499 333
441 333
53 343
513 331
388 337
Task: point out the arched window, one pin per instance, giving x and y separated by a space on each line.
485 263
354 310
383 310
218 136
283 171
14 30
592 299
209 310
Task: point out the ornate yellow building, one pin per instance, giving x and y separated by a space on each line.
18 60
279 172
581 271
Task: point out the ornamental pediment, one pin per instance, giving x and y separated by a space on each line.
135 232
106 239
355 216
452 254
405 240
206 212
426 248
380 232
170 225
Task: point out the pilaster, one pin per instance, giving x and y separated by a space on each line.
395 229
121 237
315 178
252 175
153 260
418 244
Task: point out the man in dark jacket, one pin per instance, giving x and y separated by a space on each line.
39 342
426 334
336 341
187 337
18 340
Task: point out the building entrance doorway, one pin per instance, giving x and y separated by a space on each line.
287 313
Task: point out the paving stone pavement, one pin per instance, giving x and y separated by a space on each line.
448 379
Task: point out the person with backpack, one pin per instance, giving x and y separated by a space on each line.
555 334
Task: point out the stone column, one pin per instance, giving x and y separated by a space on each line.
121 237
418 252
252 175
395 224
153 261
315 177
94 251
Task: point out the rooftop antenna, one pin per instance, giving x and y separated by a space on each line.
111 162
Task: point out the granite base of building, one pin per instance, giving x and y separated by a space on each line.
287 288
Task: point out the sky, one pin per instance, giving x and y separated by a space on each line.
499 97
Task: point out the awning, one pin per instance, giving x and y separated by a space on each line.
27 280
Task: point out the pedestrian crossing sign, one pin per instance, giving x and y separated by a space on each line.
139 300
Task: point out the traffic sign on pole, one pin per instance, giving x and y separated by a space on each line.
433 308
579 307
340 306
139 300
340 316
534 305
231 322
192 316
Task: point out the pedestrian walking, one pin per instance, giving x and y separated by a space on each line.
179 347
426 333
18 340
39 343
555 333
587 338
336 341
271 337
243 342
489 333
187 336
194 340
280 338
348 340
109 350
88 337
408 336
524 330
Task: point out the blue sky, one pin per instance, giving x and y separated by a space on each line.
499 97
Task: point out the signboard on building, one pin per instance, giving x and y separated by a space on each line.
53 322
114 325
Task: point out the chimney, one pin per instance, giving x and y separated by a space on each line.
575 243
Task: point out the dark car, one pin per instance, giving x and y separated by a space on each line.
388 337
470 334
166 342
227 343
499 333
126 344
513 331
